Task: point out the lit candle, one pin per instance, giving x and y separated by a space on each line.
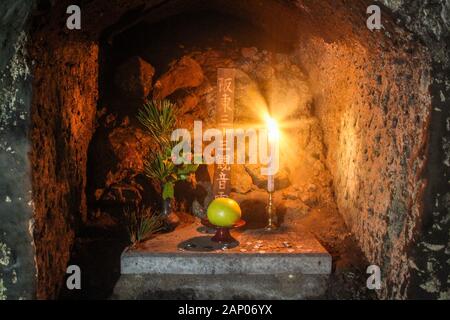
271 183
273 136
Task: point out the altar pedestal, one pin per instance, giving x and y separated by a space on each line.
284 264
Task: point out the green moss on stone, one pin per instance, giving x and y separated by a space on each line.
2 291
5 253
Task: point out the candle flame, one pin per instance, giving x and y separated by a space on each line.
273 131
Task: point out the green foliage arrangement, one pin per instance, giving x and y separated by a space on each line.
158 117
142 223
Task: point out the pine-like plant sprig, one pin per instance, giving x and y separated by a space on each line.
157 167
141 223
158 117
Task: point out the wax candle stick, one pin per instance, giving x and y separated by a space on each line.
271 183
273 136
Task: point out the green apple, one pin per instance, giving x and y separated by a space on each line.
223 212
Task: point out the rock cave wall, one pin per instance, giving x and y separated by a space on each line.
63 119
194 95
429 21
381 99
48 100
372 96
69 66
375 129
17 268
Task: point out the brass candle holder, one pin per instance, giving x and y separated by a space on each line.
271 224
273 138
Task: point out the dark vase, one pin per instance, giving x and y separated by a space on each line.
171 220
167 207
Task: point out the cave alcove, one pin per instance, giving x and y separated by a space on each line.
370 99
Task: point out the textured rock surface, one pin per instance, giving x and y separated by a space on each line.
241 181
429 20
267 71
375 150
281 178
117 159
63 114
429 262
194 287
374 104
184 73
17 265
130 146
269 79
370 92
134 77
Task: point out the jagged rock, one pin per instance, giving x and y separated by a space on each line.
311 199
201 203
284 86
264 73
184 73
171 221
260 82
134 77
305 150
187 103
130 145
121 192
191 108
210 60
241 182
205 109
288 92
309 136
294 209
249 52
290 194
197 209
186 121
281 178
248 99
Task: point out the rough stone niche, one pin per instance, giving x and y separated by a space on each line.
365 101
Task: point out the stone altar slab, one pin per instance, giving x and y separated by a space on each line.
186 264
189 250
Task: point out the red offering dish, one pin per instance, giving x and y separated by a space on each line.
223 233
